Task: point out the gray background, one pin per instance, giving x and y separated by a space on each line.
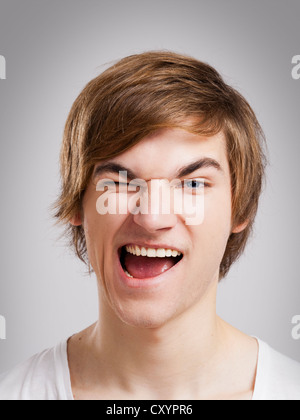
53 48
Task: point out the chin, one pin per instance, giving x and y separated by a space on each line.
149 316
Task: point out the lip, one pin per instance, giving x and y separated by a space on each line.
150 282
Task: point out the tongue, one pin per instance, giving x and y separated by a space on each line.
145 267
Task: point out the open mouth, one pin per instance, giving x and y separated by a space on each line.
143 263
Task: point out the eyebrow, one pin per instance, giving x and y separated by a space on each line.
199 164
113 167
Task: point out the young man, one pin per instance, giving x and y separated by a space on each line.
154 129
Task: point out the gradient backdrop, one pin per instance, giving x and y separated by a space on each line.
52 49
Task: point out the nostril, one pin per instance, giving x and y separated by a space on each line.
153 222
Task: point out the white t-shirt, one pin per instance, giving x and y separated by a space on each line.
46 376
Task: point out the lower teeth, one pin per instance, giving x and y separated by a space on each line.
129 275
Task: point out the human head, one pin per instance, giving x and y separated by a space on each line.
146 92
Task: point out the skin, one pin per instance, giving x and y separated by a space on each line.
163 339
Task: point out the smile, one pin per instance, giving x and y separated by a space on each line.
143 263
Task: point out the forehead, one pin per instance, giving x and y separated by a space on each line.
162 153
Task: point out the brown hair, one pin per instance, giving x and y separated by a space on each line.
142 93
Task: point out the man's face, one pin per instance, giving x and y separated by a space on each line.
148 298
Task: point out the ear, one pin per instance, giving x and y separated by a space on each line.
240 227
76 220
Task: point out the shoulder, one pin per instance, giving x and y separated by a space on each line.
42 377
278 377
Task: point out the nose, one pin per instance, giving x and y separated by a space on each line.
156 213
155 222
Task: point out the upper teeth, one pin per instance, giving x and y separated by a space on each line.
152 252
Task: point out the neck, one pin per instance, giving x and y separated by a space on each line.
162 361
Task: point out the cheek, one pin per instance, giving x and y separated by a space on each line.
96 225
99 234
217 211
214 232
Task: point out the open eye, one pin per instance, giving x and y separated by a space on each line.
194 184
